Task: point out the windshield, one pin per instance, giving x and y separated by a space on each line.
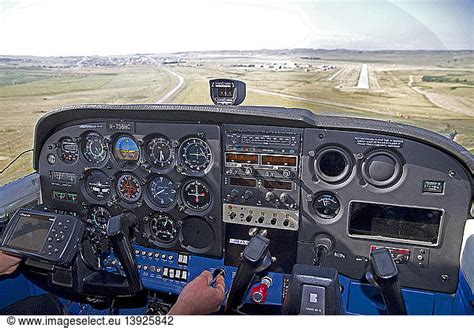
403 61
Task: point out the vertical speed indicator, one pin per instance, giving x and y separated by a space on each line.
196 154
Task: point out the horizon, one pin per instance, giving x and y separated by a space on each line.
248 50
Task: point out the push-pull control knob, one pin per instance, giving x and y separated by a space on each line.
269 196
248 194
259 293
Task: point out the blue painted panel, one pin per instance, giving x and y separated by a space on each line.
366 299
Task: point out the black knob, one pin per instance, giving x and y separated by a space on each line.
248 194
232 215
261 219
248 218
273 221
234 194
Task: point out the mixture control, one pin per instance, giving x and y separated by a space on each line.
259 293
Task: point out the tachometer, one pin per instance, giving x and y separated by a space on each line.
196 154
126 149
196 195
98 216
159 152
163 228
161 191
94 148
129 188
98 185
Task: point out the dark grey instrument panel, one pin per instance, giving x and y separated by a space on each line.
358 189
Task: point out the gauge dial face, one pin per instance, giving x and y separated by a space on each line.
126 149
99 216
326 205
161 191
68 150
159 152
129 188
94 148
196 195
98 185
196 154
163 228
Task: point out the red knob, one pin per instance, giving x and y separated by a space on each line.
259 293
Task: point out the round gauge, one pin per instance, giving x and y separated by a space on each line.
94 148
126 149
196 154
326 205
129 188
196 195
161 191
99 216
159 152
163 228
68 150
97 184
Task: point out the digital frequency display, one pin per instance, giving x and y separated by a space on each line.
273 184
407 223
279 160
241 158
243 182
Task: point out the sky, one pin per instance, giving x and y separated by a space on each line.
114 27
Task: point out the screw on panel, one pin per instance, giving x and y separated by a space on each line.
451 173
311 153
360 156
321 136
309 198
200 134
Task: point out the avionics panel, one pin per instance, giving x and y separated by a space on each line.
261 190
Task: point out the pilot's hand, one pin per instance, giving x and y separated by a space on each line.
8 263
200 298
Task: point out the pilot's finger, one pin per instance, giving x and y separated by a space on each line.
10 270
220 285
207 276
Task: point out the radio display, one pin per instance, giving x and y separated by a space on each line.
273 184
241 158
279 160
243 182
406 223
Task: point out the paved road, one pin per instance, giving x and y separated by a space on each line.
363 77
175 90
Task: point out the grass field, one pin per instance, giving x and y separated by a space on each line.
434 93
27 94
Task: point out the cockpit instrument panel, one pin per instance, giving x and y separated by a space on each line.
202 181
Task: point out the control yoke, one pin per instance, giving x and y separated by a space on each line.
255 258
118 231
382 273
